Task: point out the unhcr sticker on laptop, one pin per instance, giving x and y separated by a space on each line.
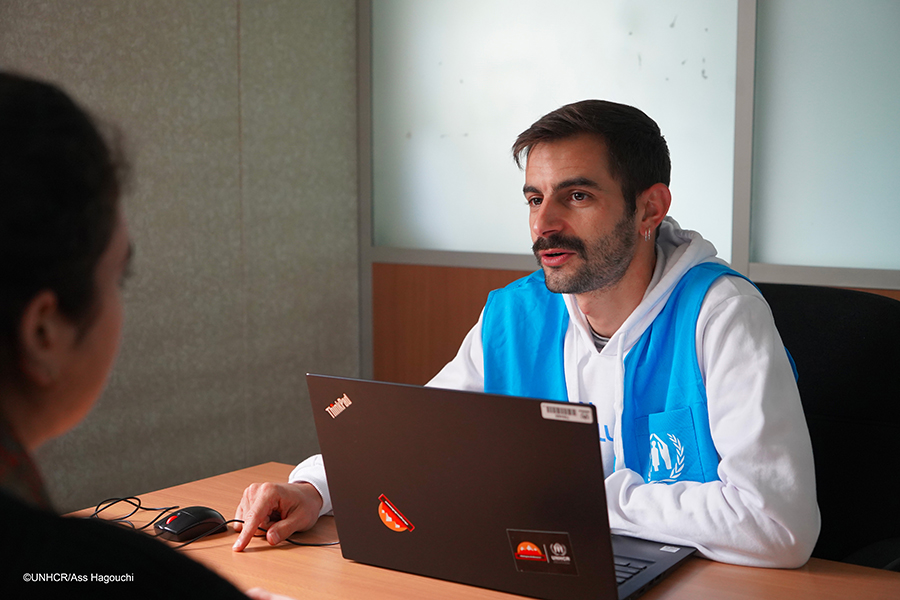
564 412
542 551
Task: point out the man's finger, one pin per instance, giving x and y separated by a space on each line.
245 503
253 518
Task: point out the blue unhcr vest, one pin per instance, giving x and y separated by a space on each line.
665 422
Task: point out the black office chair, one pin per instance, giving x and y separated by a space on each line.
846 345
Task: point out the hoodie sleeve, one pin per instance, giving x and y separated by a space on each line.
763 510
466 370
312 471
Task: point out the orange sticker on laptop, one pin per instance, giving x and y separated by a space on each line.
542 551
529 551
392 518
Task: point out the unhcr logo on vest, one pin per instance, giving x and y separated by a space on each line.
666 459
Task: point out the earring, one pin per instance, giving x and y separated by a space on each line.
647 235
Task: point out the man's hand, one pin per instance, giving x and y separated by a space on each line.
281 508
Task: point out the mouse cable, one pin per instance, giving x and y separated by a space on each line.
310 544
135 502
123 520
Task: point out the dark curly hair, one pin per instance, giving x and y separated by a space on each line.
59 189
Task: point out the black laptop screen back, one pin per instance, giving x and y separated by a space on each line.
473 488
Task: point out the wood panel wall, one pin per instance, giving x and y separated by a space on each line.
421 315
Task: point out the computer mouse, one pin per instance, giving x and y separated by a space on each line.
190 523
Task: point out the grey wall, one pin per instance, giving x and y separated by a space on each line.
240 121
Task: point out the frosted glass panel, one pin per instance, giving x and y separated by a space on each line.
826 164
455 81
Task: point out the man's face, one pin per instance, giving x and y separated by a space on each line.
583 236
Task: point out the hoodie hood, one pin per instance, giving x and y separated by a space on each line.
677 250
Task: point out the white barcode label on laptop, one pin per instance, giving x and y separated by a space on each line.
562 412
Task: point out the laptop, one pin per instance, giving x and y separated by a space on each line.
495 491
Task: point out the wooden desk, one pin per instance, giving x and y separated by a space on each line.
321 572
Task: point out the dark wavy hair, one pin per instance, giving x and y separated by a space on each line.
59 189
638 154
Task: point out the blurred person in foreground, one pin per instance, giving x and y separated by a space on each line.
64 255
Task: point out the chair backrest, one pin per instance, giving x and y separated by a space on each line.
846 345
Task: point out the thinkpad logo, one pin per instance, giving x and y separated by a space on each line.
338 406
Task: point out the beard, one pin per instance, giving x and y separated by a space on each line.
604 260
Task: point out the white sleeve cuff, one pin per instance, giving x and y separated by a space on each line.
312 471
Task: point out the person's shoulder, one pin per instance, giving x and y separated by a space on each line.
732 285
719 280
735 299
102 559
535 279
524 291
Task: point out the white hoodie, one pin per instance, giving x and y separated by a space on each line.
763 509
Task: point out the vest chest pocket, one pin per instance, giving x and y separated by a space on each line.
667 446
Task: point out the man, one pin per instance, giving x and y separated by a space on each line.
704 439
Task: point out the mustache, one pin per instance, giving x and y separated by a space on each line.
559 242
